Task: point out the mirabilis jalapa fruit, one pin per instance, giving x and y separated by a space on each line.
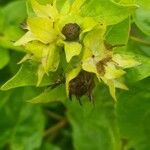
50 31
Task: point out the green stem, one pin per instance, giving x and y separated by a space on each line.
55 128
53 115
140 41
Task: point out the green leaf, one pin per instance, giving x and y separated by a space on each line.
42 29
4 57
51 95
140 72
94 126
44 10
72 49
94 41
76 5
21 124
27 76
135 50
144 3
1 21
107 10
142 20
11 33
30 11
15 13
134 115
51 58
119 33
26 38
125 61
60 4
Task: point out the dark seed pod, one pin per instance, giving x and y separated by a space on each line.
83 84
71 31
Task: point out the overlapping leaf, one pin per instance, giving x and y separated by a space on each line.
108 11
20 124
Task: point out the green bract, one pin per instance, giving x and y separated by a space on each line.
44 37
44 43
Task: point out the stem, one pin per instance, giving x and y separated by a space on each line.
53 115
55 128
140 41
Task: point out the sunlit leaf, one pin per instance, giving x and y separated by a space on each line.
72 49
108 11
26 76
50 95
42 29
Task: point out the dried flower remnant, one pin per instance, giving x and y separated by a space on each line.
107 65
101 65
82 85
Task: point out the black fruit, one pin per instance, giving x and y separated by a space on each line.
71 31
